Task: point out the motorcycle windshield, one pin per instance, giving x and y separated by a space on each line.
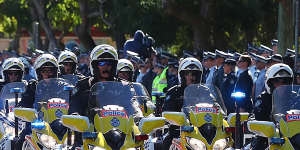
218 97
72 79
51 88
115 93
140 90
6 92
286 102
198 96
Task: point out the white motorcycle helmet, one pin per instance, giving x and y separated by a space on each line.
125 65
190 64
13 64
276 71
70 57
103 52
67 56
45 60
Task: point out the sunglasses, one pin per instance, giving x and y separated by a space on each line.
13 73
103 63
46 71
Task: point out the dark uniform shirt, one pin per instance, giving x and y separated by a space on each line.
226 89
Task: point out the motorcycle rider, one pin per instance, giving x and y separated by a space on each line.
125 70
46 67
277 75
67 61
189 72
103 64
12 71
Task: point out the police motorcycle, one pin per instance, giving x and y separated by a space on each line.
113 126
284 132
10 127
51 102
201 123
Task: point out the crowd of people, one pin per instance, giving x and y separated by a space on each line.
256 72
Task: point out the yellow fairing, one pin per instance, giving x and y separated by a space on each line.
197 135
198 120
103 125
49 113
293 127
266 130
243 117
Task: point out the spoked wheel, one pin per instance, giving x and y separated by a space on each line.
27 146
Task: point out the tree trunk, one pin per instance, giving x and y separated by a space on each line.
201 36
14 45
82 31
120 39
285 26
45 23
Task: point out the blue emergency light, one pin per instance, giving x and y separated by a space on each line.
38 124
238 95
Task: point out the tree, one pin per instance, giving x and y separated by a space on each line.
285 26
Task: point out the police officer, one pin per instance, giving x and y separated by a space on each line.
228 84
274 43
125 70
189 72
46 67
68 62
104 60
209 62
277 75
12 71
219 73
259 85
160 81
103 64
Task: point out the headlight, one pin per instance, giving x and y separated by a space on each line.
195 144
95 148
220 144
46 140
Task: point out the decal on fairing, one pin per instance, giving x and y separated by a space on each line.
114 113
58 113
208 117
205 109
115 122
292 117
58 105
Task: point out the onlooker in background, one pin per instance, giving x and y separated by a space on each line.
83 66
148 78
172 73
228 84
244 82
142 72
210 63
275 59
219 73
160 81
259 86
274 43
27 75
